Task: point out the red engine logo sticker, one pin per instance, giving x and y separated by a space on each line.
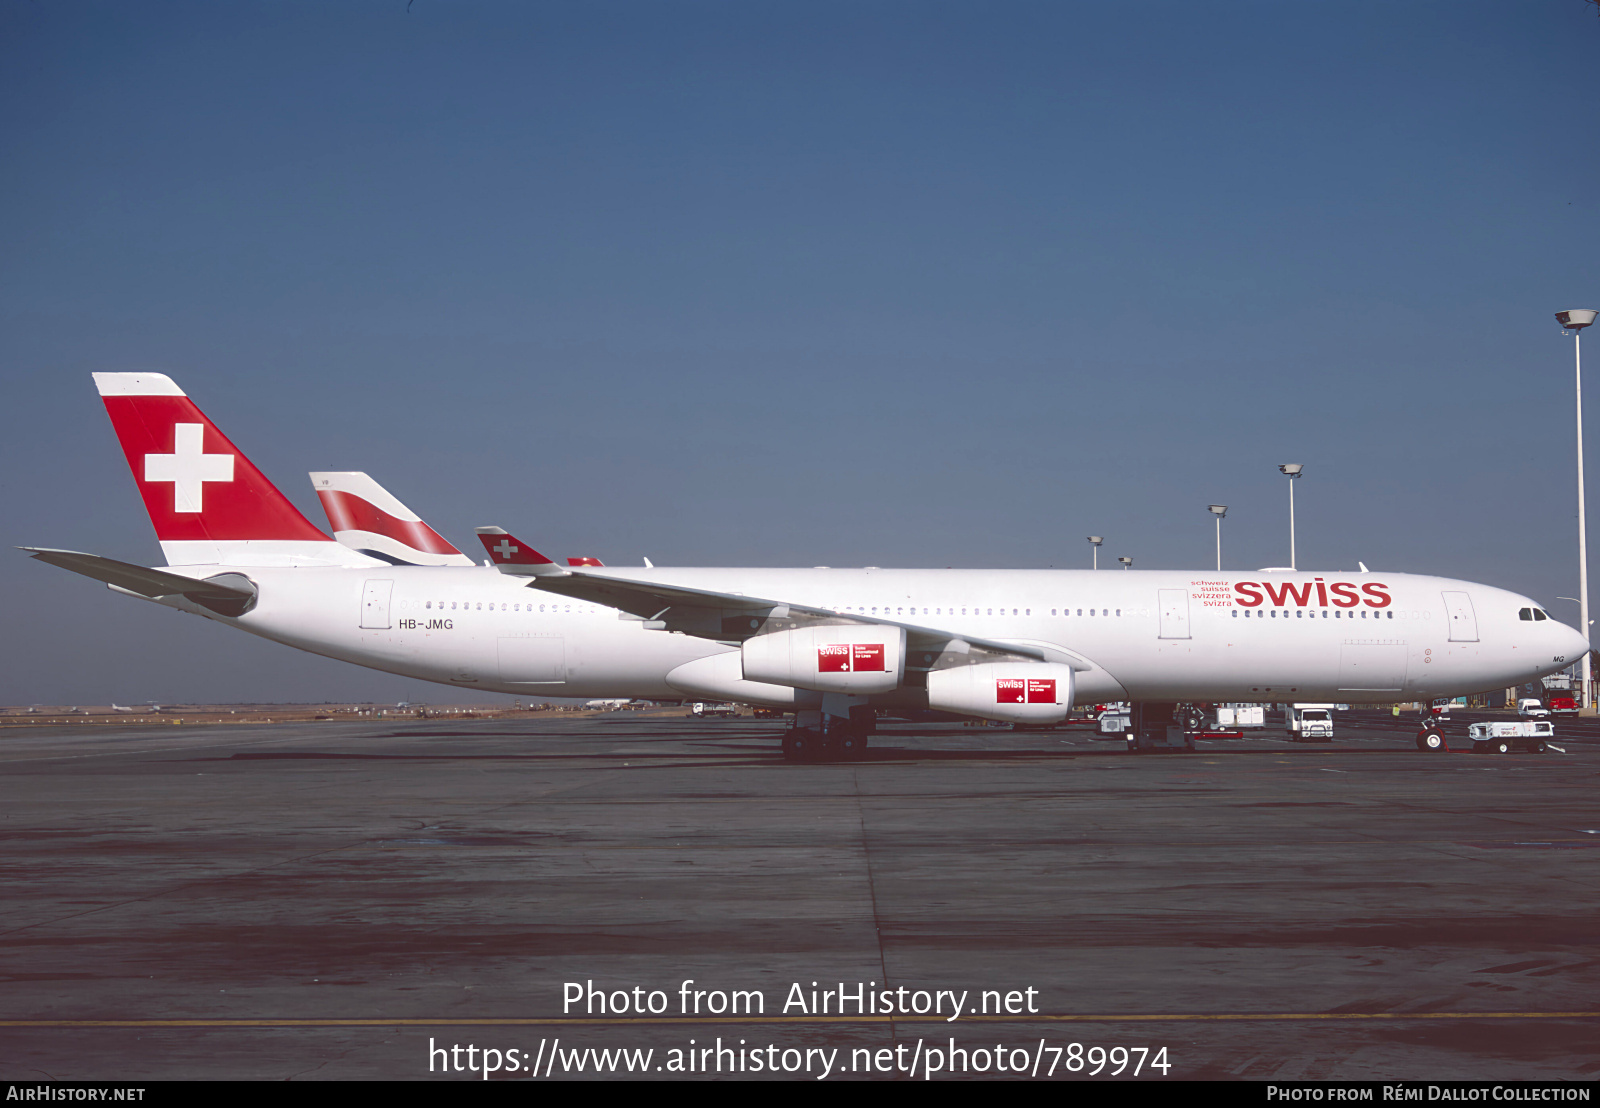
1029 690
844 657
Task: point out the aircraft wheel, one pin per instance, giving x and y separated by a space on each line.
1431 740
832 748
851 744
801 745
1502 747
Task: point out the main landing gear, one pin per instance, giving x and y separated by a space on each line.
825 738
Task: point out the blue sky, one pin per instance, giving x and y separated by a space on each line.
797 283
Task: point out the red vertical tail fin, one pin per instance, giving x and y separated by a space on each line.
208 503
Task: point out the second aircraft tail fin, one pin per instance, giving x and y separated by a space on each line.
367 518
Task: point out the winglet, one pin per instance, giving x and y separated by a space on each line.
511 555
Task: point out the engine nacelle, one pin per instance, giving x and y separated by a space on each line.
1021 692
860 659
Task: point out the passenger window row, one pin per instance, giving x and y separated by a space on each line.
478 606
886 611
1300 613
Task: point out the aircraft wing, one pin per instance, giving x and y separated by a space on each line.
146 582
732 617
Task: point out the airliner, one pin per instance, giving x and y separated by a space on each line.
830 645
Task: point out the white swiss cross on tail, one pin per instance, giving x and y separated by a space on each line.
188 467
514 556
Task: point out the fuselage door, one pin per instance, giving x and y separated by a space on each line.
375 604
1174 613
1463 620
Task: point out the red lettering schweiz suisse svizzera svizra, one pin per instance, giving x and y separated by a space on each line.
1315 593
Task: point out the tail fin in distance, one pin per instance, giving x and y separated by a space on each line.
585 562
511 555
367 518
208 503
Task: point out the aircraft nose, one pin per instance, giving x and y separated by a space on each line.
1579 645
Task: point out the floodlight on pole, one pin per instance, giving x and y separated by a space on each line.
1127 563
1218 510
1291 471
1094 543
1575 321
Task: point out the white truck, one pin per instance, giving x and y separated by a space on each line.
1532 709
1504 736
1309 723
701 710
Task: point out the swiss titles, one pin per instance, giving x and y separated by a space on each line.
1316 593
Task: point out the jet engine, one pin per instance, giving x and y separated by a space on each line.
858 659
1021 692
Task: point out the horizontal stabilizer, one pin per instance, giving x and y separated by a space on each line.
152 583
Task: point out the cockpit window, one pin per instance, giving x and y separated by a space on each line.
1539 613
1525 613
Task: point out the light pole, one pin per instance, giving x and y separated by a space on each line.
1575 321
1291 471
1127 563
1094 543
1220 510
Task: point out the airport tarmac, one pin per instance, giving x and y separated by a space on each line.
189 903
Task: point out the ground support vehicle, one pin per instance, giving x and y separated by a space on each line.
1505 736
1532 709
701 710
1114 721
1240 716
1309 723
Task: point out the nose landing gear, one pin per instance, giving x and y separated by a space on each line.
1431 738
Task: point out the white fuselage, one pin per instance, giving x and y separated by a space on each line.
1147 635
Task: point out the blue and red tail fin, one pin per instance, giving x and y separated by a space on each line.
367 518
